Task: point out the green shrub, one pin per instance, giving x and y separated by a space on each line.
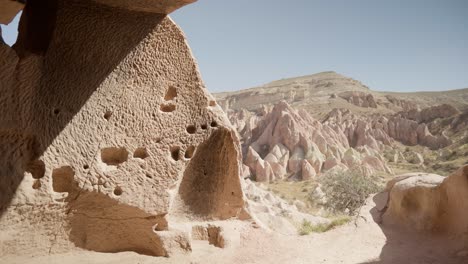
347 191
307 227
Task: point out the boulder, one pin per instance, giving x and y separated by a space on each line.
376 164
429 202
245 171
330 163
351 157
308 172
251 159
295 161
278 159
263 171
315 158
414 200
318 195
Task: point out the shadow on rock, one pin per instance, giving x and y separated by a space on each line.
408 246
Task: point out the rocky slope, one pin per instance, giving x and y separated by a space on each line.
319 93
300 127
286 143
111 143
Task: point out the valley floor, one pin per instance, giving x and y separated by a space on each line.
361 241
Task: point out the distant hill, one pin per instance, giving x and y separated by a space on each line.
320 93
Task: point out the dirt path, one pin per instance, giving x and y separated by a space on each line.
365 243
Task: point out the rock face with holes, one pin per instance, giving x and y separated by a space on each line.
106 129
429 202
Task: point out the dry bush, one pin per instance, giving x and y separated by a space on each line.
307 227
347 191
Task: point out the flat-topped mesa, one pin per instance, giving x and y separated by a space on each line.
106 130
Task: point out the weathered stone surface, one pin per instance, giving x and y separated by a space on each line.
272 212
369 131
287 138
430 113
359 98
308 172
107 124
404 104
154 6
263 171
414 157
9 9
429 202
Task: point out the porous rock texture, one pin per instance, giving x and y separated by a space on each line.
106 130
430 202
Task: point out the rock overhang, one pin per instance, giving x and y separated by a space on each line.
152 6
10 8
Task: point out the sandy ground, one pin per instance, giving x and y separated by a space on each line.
362 242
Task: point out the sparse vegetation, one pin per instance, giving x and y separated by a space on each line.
307 227
292 191
347 191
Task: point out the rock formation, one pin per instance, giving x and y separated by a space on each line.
281 142
9 10
274 213
359 98
285 143
340 123
106 130
429 202
405 105
430 113
368 130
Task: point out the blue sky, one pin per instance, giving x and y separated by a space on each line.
389 45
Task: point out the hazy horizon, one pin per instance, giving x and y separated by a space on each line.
393 46
363 82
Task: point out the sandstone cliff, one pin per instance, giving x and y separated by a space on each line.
107 132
